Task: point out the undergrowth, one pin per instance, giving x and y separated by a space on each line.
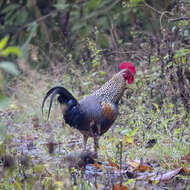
37 148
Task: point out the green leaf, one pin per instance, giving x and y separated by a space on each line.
32 32
94 4
170 64
3 42
61 5
103 41
10 7
135 2
18 185
9 67
129 133
21 17
4 102
102 73
128 139
129 181
157 107
78 26
11 50
132 133
181 52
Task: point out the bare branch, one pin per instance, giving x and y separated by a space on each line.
178 19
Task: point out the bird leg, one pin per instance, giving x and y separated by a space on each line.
96 145
85 139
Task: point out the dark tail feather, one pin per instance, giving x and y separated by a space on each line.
64 97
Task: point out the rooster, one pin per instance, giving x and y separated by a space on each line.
96 113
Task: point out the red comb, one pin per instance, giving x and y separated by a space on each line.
129 66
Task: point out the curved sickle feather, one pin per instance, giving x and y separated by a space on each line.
46 96
64 94
55 92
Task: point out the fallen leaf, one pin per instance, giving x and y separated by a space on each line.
138 166
133 163
186 157
117 187
35 121
128 140
36 126
113 164
143 168
98 166
187 170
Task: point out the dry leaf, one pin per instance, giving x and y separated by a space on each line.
36 126
186 157
133 163
113 164
143 168
187 170
117 187
138 166
98 166
35 122
128 140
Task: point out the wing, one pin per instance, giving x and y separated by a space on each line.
99 115
75 117
91 116
110 112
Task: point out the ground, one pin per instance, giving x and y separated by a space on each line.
146 148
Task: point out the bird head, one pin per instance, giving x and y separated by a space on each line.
129 71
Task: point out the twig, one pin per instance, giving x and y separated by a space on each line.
161 16
38 19
115 46
178 19
120 161
159 12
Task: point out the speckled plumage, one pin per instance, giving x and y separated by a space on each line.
113 89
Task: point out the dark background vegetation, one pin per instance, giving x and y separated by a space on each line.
79 44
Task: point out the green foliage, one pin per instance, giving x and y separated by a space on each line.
32 30
7 66
9 50
83 52
3 42
181 53
78 22
94 4
135 2
61 5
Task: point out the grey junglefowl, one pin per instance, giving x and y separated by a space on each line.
95 113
